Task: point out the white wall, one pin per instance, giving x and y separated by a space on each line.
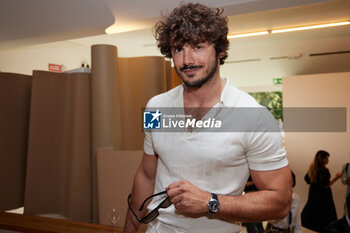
25 60
261 73
72 53
319 90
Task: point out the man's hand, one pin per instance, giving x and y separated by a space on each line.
339 174
188 198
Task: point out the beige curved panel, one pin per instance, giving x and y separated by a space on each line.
115 172
168 75
58 176
105 98
140 79
105 106
172 79
175 79
14 120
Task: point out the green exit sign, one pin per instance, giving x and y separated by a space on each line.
277 81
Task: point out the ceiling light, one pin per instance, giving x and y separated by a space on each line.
247 34
231 36
310 27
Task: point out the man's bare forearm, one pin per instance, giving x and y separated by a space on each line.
272 201
143 186
141 189
253 207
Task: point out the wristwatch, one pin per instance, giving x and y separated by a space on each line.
213 204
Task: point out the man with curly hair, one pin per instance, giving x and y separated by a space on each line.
198 177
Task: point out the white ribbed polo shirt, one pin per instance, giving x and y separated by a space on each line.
216 162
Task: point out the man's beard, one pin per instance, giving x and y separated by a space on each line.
212 69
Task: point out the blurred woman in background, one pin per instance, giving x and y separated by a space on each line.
319 210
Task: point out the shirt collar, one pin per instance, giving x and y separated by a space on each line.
177 95
226 98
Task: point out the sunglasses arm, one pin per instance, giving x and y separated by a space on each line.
144 202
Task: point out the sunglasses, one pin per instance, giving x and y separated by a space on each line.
154 213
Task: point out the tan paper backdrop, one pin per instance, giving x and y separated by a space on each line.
14 120
73 115
115 171
105 106
58 176
175 79
105 98
121 87
140 79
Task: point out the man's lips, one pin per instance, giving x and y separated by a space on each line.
190 70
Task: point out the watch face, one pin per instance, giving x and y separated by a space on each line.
214 206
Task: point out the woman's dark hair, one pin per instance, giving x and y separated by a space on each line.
317 164
193 23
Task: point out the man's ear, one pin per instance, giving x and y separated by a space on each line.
221 55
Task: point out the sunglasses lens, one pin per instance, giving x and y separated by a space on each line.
166 203
154 213
150 217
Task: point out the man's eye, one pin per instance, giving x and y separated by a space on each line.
177 50
199 47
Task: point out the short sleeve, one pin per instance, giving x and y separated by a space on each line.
148 142
265 151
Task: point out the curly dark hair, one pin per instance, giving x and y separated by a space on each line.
193 23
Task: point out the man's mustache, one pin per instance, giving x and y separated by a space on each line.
191 67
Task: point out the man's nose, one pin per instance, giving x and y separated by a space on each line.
188 58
